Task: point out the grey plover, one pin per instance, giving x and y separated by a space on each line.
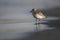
38 14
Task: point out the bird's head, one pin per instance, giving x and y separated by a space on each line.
33 10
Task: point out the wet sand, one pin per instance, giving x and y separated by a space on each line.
27 31
45 35
27 20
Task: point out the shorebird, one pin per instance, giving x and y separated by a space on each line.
38 14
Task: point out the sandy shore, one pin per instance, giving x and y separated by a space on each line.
11 21
45 35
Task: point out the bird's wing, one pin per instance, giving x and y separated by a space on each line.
41 13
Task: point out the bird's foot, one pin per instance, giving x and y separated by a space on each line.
36 23
39 23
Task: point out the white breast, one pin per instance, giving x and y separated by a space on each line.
40 16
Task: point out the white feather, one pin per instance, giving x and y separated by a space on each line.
40 16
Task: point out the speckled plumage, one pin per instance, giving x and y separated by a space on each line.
38 14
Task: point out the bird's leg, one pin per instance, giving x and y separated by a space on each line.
39 20
39 23
36 25
36 20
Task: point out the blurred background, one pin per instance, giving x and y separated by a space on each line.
16 21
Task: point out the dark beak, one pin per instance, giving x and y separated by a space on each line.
30 11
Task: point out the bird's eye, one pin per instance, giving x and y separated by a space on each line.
32 9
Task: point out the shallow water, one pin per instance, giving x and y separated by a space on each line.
18 30
22 30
